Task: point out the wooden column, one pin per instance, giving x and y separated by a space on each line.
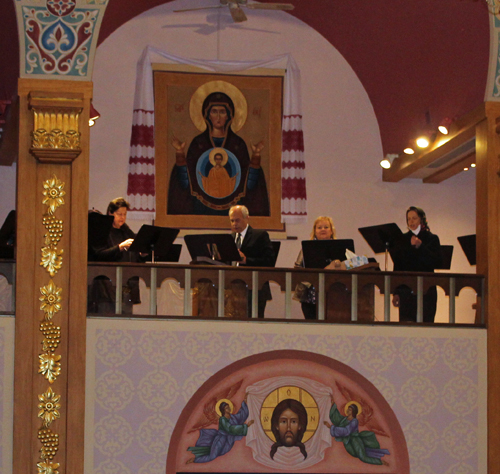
52 203
488 258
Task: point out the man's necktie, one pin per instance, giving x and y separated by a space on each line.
238 242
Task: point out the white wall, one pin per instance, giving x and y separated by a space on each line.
341 135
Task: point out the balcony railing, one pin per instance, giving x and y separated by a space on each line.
341 296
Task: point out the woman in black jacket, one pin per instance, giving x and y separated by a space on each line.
418 250
120 239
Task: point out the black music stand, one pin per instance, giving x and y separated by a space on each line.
381 237
8 236
172 256
468 244
320 253
446 254
153 239
212 249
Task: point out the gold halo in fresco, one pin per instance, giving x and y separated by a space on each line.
360 410
219 151
296 393
217 405
199 96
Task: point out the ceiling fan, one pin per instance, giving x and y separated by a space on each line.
237 12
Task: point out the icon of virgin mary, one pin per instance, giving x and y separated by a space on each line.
218 109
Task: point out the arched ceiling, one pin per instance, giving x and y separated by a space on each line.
414 58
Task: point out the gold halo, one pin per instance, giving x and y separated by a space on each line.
199 96
360 410
298 394
219 151
217 405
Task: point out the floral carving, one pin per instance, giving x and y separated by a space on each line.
54 194
47 468
50 367
51 299
49 407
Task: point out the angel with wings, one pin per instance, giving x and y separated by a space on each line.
213 443
359 444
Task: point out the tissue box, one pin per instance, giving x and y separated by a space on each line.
355 262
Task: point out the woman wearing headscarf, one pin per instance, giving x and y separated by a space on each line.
418 250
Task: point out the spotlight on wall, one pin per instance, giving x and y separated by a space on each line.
94 115
386 163
444 126
473 165
409 151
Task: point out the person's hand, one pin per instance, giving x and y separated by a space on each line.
124 246
180 155
395 301
415 241
256 149
328 425
244 259
249 423
178 145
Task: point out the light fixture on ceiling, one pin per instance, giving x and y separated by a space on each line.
386 163
422 141
473 165
409 151
444 126
94 115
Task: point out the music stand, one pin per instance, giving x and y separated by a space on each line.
173 255
8 236
446 254
99 227
381 237
468 244
154 239
213 249
320 253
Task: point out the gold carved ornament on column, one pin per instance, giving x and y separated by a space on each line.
56 136
51 303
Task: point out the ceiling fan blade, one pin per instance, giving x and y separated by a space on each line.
270 6
194 9
237 13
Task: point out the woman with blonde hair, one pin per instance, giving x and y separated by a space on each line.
323 229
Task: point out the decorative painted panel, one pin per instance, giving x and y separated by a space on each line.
144 377
58 37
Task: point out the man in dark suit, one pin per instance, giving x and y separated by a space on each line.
255 248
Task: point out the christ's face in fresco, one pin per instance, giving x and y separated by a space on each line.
288 427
